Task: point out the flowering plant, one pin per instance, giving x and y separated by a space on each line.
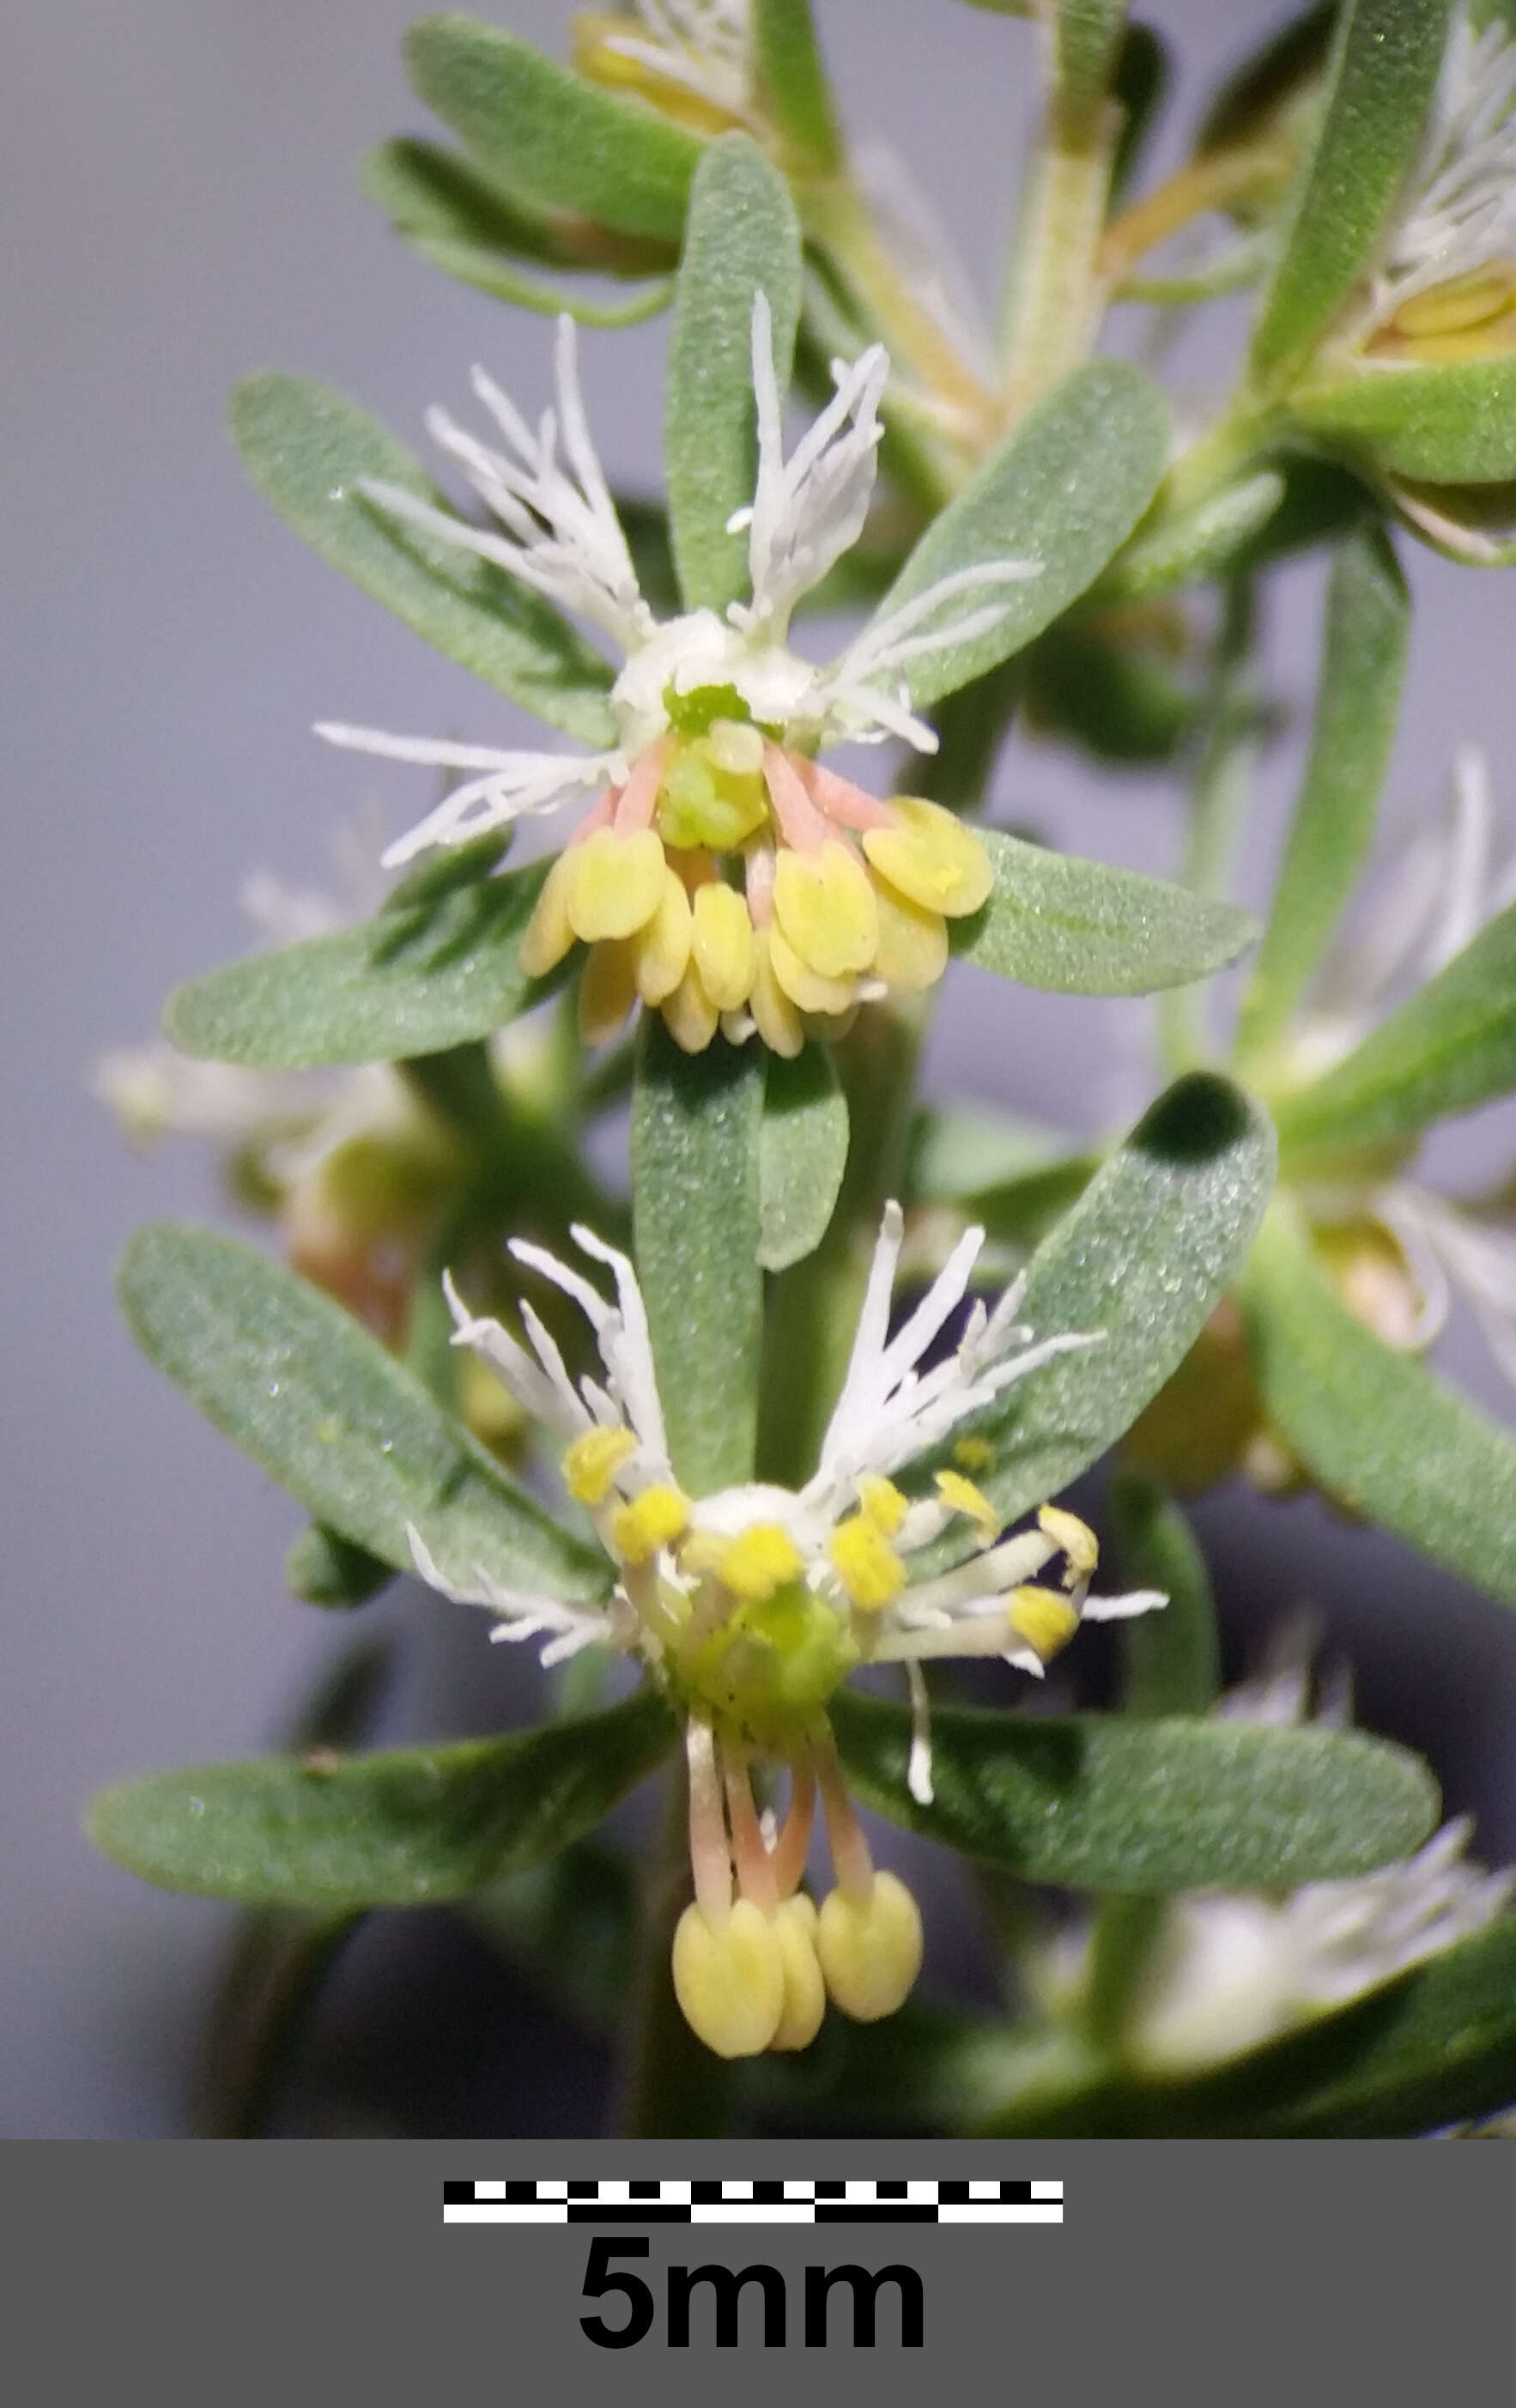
758 1447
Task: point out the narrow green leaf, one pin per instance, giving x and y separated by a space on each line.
1019 1212
1103 1803
1434 2048
1378 1429
546 133
1173 1659
571 1925
1139 87
1080 927
487 272
799 100
308 451
1178 547
1379 81
1365 630
1272 80
1088 37
1154 1240
408 1829
1451 1047
326 1570
1454 424
742 237
696 1219
802 1155
437 194
428 973
317 1404
1064 490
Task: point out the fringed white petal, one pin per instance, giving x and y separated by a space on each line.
810 509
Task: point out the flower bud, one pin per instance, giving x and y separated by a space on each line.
871 1947
729 1979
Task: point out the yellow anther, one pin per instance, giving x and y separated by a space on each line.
866 1563
805 1992
653 1520
930 857
608 991
615 884
871 1947
592 1461
599 60
1453 308
663 946
549 934
1044 1619
882 1502
729 1978
689 1014
973 1453
758 1561
775 1017
803 986
824 906
962 1497
736 747
1076 1538
722 944
912 950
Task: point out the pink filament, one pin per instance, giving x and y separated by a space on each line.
634 804
710 1860
851 1860
755 1865
841 801
800 823
793 1840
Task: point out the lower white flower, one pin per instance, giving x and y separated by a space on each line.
1233 1970
750 1605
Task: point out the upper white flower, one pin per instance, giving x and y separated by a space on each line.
1434 897
1456 214
556 529
704 45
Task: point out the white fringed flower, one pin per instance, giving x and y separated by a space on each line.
752 1605
1447 266
1435 897
1233 1970
703 47
842 897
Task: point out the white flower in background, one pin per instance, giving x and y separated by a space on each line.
693 58
1402 1250
1231 1970
750 1605
346 1160
1444 287
721 876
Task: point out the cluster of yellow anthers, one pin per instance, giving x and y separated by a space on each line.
732 883
750 1605
721 876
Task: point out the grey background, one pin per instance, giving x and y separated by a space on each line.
182 208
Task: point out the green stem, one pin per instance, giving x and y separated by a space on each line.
813 1308
1057 296
1220 792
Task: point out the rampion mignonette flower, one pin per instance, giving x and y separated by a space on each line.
1231 1970
693 59
1443 287
750 1605
347 1161
721 876
1398 1247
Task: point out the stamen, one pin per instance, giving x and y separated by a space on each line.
754 1867
710 1860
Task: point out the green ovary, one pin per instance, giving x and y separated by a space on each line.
763 1675
708 801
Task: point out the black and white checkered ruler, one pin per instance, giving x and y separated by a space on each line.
529 2201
